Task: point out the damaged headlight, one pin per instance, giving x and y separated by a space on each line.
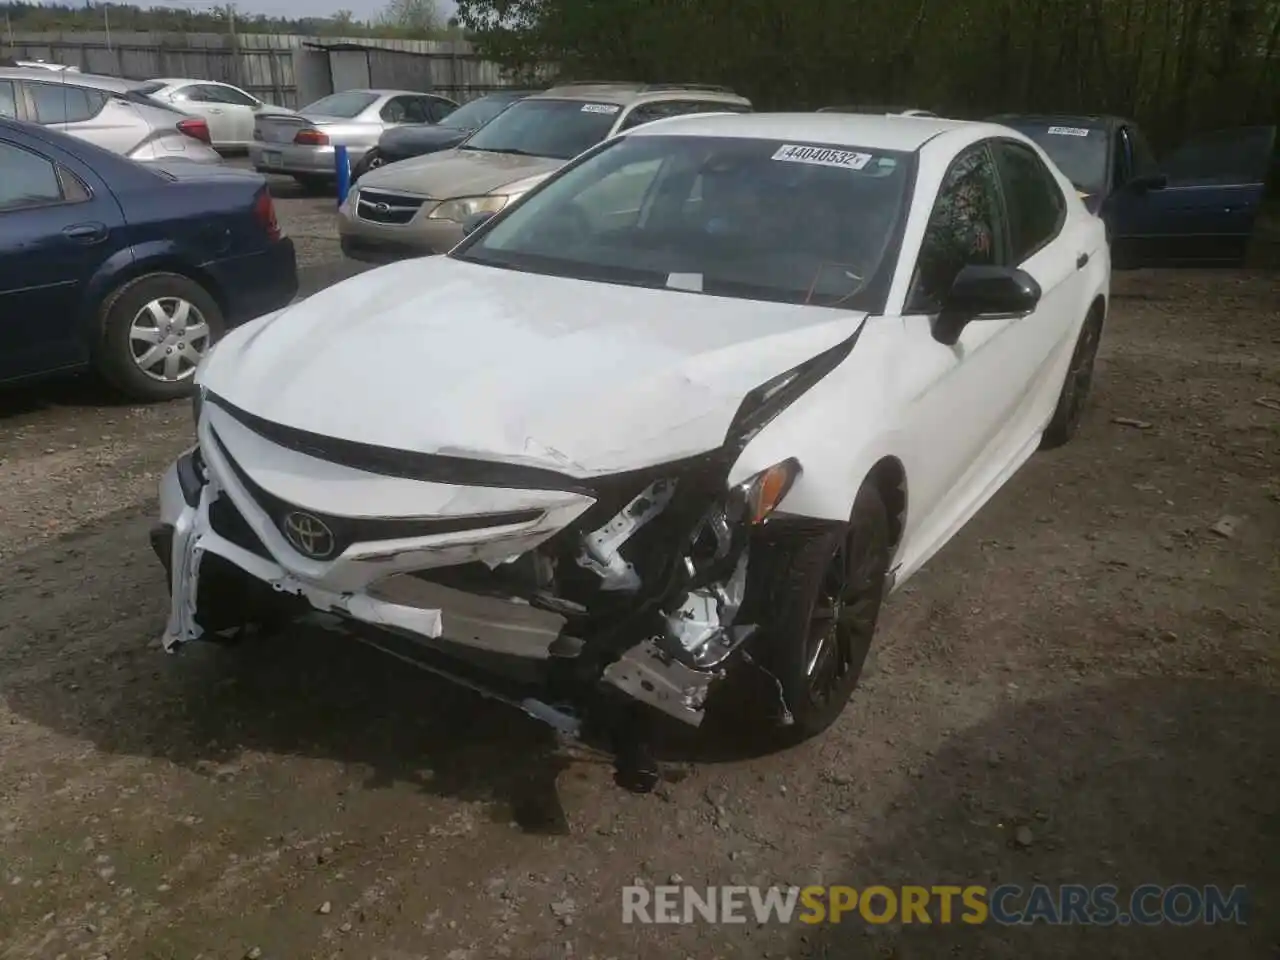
753 500
773 396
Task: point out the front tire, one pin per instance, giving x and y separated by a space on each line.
1075 386
825 587
155 330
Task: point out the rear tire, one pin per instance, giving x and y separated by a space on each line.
822 589
1075 386
155 330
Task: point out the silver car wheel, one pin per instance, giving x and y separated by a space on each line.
168 337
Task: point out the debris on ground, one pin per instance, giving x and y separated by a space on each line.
1227 527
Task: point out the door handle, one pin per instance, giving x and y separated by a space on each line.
87 233
1082 261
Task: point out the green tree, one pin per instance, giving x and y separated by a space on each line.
415 18
1175 64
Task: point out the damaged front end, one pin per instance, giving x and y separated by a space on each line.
651 585
567 598
642 592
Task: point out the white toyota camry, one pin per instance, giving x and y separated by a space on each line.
695 405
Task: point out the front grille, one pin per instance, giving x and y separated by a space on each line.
229 523
380 206
348 530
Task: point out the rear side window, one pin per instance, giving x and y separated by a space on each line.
26 179
231 95
8 100
64 103
346 105
405 110
196 93
1034 200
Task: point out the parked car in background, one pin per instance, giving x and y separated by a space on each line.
104 111
1196 207
886 111
301 143
616 439
130 269
415 140
419 206
228 110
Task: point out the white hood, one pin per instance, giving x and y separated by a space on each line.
440 356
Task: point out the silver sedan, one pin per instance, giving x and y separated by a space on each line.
302 143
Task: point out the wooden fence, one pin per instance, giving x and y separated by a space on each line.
286 69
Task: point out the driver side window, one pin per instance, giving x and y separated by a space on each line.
966 227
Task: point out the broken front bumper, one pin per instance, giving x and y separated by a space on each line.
225 545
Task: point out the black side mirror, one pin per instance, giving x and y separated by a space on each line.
983 292
1150 181
473 222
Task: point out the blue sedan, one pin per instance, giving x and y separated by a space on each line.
131 270
1196 206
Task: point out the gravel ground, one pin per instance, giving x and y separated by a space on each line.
1082 687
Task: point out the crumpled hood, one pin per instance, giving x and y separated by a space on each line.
457 173
435 355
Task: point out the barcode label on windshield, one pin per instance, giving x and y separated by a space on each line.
822 156
1068 131
600 108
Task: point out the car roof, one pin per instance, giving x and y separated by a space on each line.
91 80
1100 121
172 81
871 131
625 92
383 92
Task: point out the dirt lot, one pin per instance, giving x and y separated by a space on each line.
1089 660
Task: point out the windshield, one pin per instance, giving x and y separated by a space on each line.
734 217
151 86
475 114
345 105
560 129
1079 152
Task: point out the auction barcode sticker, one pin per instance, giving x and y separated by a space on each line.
822 156
1069 131
600 108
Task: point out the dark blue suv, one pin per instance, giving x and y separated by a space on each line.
132 270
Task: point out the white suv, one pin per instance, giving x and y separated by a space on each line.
105 111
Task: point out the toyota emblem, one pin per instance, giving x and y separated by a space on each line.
309 535
382 207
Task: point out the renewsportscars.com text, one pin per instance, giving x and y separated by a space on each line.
1068 904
